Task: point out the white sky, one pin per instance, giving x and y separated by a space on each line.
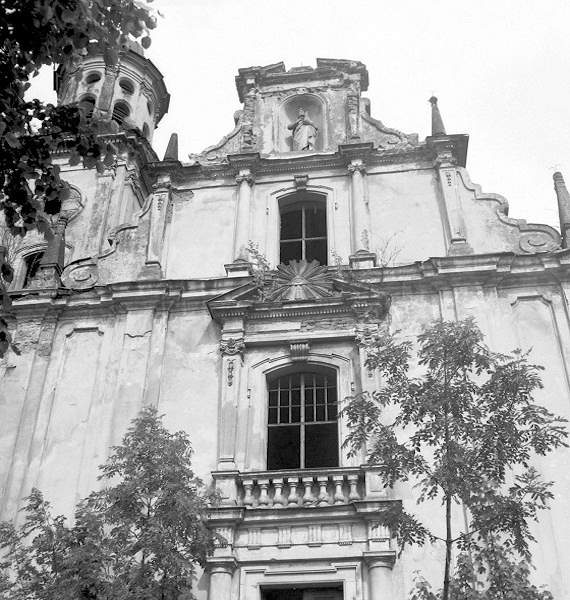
500 68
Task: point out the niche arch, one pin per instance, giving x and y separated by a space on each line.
316 109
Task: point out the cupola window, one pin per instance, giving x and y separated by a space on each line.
121 111
303 229
302 421
93 77
127 86
88 105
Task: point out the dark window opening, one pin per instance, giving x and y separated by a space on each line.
93 78
88 105
127 86
32 267
304 231
120 112
295 593
302 421
145 130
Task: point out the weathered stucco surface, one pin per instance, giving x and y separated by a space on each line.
154 308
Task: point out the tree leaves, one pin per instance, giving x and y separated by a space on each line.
35 33
139 538
460 430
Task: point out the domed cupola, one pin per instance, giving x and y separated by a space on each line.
131 92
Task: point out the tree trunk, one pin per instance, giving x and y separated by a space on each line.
448 545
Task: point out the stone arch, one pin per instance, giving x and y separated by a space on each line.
315 108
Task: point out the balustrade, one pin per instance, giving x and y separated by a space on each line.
300 488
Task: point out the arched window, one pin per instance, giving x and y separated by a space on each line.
303 233
145 130
121 111
126 85
32 267
302 421
88 105
93 77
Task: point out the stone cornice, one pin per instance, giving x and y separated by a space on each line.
502 270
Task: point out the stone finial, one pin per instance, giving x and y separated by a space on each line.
563 197
172 148
437 126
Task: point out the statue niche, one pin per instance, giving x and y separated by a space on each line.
302 127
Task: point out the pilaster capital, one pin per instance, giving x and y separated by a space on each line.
247 177
381 558
356 167
232 346
221 564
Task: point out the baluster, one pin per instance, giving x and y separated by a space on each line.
293 497
278 499
263 495
248 497
323 494
353 483
338 481
308 497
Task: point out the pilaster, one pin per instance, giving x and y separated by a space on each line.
160 215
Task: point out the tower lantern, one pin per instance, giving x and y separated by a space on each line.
131 92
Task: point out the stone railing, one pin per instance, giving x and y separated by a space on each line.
304 488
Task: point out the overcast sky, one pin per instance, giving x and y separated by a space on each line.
501 70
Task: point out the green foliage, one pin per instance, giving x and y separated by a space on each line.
462 431
139 538
35 33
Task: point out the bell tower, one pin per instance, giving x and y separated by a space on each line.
131 92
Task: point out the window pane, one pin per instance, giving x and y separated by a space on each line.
321 445
295 381
291 225
296 414
317 250
283 447
296 397
315 222
320 412
272 398
284 415
291 251
320 396
272 414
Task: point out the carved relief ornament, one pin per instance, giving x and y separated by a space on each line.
232 346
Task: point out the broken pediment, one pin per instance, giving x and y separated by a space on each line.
302 288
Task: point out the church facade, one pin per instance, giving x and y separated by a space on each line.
192 286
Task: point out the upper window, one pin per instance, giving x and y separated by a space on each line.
121 111
88 105
32 267
126 85
302 421
303 229
93 77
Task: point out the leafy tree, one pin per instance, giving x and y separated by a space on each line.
464 433
35 33
139 538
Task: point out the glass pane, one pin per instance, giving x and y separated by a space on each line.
272 414
309 413
291 251
315 222
296 397
272 398
320 396
283 447
291 225
317 250
332 412
320 412
296 381
284 415
296 414
284 397
321 445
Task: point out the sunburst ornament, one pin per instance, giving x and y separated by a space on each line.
301 280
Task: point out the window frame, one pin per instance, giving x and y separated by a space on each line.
303 201
302 425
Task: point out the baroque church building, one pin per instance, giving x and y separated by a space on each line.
192 286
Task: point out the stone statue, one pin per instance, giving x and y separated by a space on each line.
304 132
